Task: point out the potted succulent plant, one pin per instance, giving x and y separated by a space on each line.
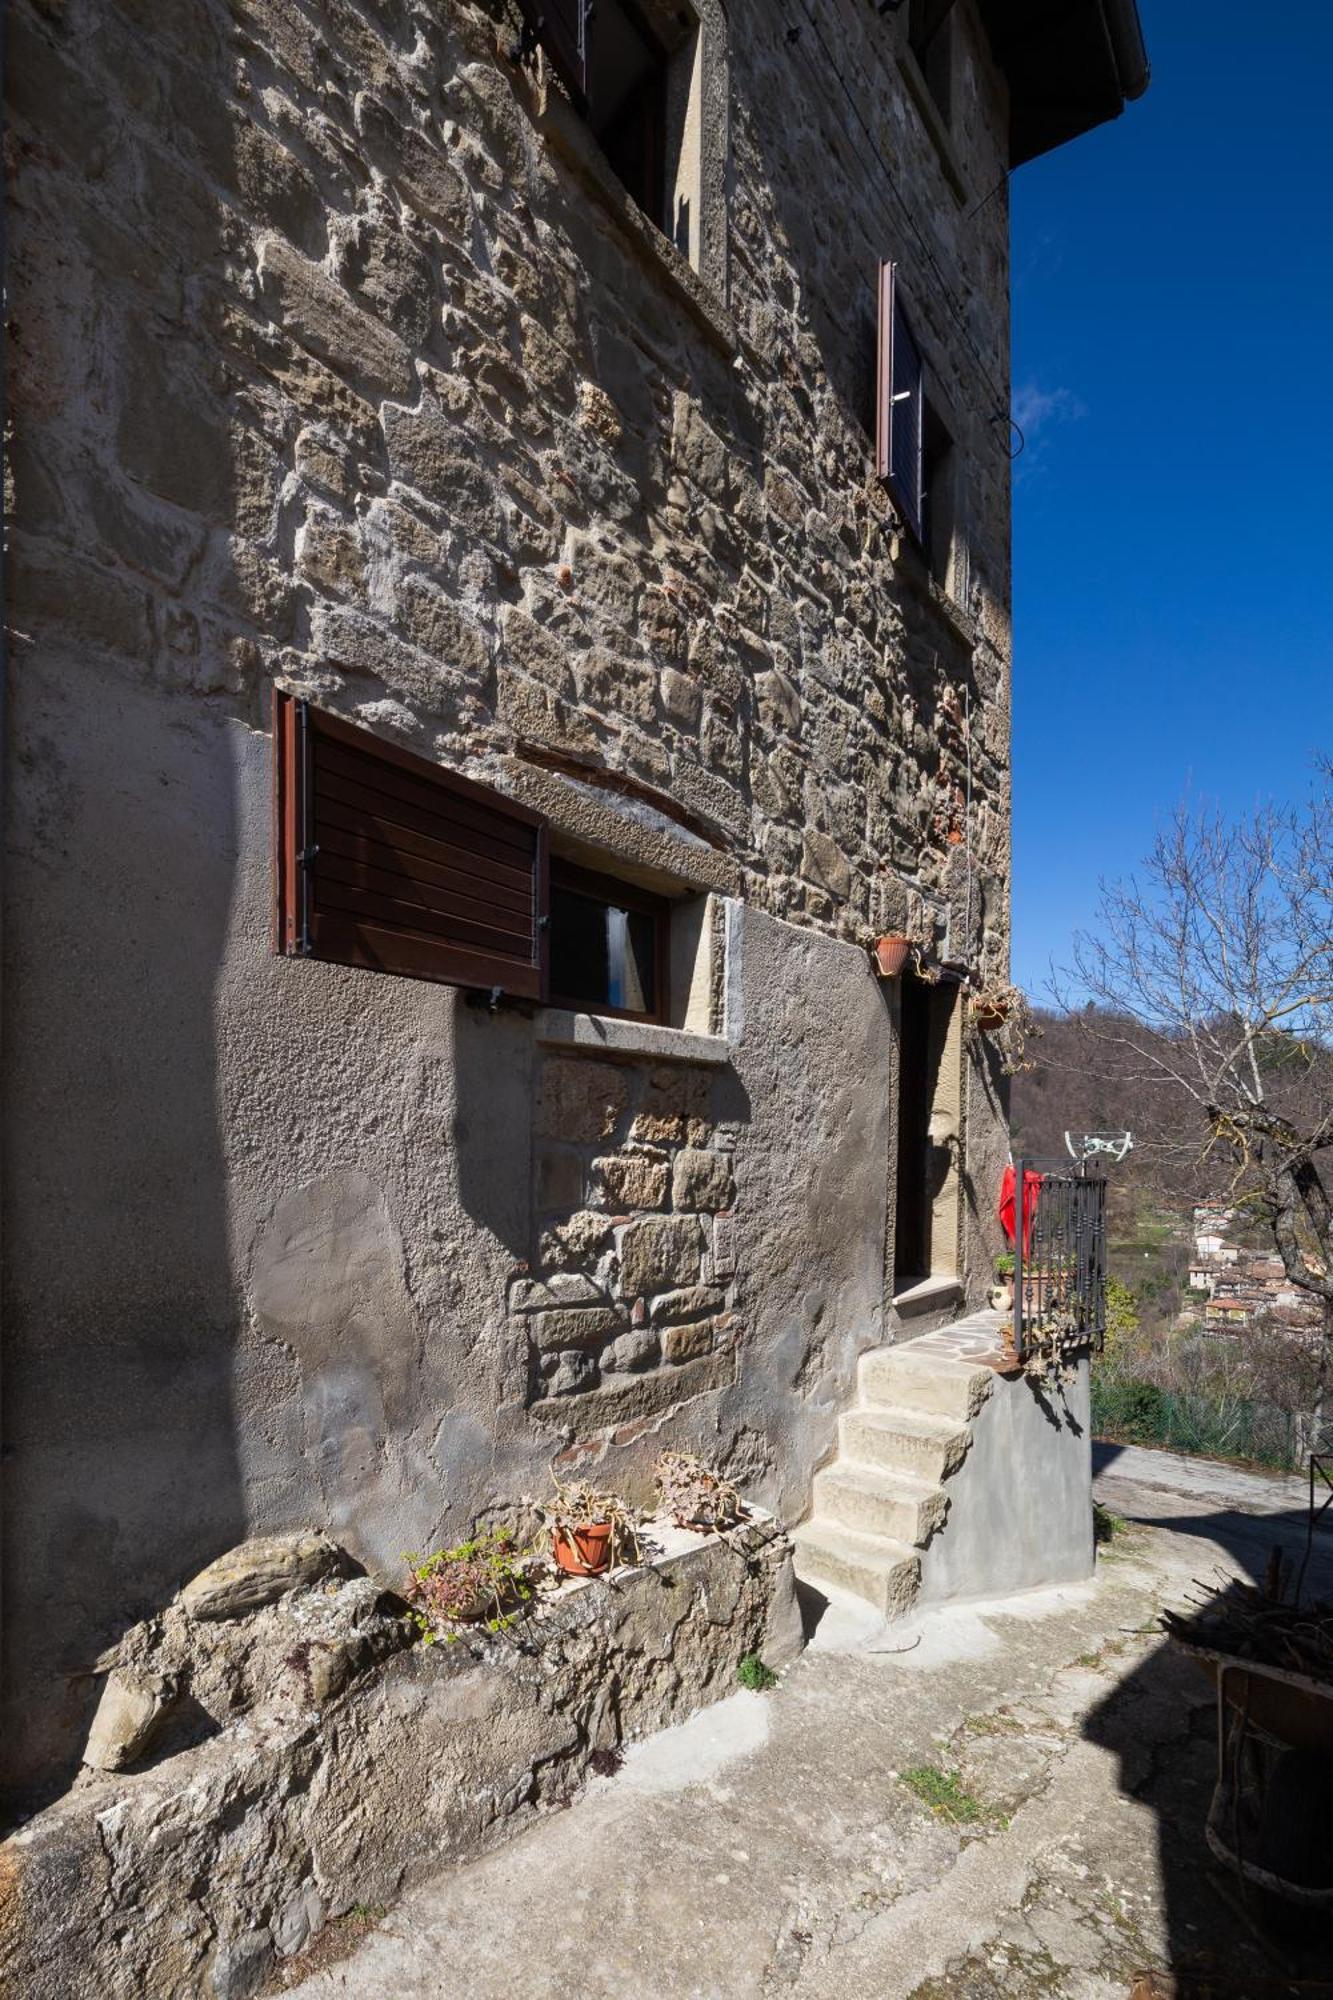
484 1579
590 1531
694 1495
1005 1012
891 955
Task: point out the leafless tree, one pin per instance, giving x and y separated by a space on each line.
1209 978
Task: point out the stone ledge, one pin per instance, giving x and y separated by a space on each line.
608 1036
193 1875
935 1294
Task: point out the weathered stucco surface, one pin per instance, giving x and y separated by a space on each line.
330 366
1019 1510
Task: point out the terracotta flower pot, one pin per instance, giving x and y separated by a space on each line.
891 954
584 1551
988 1019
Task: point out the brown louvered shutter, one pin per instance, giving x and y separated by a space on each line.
561 26
899 422
385 860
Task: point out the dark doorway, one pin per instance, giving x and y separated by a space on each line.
925 1014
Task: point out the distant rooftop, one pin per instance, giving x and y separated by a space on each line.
1070 67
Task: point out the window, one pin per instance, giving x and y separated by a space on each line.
900 416
939 474
930 38
925 1241
384 860
609 945
632 71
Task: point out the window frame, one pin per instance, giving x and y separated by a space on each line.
615 893
893 318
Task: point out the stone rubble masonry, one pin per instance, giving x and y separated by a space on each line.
635 1263
347 1763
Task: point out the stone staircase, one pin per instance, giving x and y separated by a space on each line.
886 1494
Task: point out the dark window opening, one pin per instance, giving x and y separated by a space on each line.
930 38
619 75
923 1166
939 472
608 944
627 103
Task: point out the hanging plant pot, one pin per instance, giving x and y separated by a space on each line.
583 1551
989 1012
891 955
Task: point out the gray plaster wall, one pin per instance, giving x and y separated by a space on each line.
265 1215
1020 1512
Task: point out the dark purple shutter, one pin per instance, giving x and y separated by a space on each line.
899 426
385 860
561 26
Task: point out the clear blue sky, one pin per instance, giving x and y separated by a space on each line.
1173 539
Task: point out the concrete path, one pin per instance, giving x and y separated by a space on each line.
779 1844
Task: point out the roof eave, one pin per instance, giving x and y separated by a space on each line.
1070 68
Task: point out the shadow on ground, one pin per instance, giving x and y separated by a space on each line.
1226 1940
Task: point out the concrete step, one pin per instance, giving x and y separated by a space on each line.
894 1440
906 1379
895 1504
885 1573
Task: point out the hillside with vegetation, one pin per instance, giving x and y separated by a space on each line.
1254 1393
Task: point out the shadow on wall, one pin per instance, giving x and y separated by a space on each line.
120 1314
1213 1949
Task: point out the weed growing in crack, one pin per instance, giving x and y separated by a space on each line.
752 1673
943 1791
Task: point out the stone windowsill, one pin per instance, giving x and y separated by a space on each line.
912 567
609 1036
933 120
566 131
925 1295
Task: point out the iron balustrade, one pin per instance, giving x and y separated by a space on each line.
1059 1259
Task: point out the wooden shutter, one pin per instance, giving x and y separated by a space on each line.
384 860
899 425
561 26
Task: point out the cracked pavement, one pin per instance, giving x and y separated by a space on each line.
771 1847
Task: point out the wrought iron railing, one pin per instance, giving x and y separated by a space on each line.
1059 1259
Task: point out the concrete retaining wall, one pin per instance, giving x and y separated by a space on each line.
1020 1504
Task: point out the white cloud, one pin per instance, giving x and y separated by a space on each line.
1036 408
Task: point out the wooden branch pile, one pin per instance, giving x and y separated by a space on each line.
1248 1623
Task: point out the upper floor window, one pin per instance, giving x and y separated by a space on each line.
915 453
930 38
634 71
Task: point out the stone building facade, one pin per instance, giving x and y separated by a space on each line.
344 362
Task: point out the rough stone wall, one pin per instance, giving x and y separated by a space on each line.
331 363
621 1289
192 1875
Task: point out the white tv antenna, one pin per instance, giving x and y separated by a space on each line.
1090 1144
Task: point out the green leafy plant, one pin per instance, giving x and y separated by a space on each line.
1106 1525
694 1495
486 1580
943 1791
752 1673
1004 1264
